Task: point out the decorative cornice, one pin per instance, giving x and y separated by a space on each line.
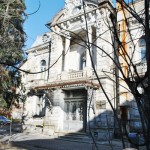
39 47
66 84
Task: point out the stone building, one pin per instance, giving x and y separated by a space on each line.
63 93
132 34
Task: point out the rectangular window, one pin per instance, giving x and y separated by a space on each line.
143 54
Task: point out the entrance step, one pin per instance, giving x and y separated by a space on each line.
64 133
74 136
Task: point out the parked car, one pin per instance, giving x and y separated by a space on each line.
4 120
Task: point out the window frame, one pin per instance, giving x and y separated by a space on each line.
142 49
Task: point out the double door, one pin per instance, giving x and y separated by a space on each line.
75 116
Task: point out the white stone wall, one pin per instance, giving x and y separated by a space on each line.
97 26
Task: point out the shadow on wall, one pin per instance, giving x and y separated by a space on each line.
102 125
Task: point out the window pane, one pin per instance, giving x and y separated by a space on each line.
141 42
143 54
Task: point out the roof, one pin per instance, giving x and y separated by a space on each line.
41 39
69 6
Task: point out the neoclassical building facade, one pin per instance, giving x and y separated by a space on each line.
62 86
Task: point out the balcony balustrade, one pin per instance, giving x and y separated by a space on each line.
84 74
72 75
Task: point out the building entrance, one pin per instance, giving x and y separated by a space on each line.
75 112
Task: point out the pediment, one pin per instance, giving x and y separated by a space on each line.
58 17
72 8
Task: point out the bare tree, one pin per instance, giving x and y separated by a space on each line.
122 23
125 69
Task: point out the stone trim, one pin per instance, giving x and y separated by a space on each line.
84 83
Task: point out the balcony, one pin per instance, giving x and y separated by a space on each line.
76 75
71 78
71 75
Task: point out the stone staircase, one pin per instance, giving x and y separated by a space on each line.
74 137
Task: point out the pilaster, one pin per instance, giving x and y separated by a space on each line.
67 50
89 39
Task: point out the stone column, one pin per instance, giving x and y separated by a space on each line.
67 50
88 59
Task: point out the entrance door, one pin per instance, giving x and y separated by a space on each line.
75 116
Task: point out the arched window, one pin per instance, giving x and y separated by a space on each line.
142 48
43 65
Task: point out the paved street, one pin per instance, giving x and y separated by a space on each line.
55 144
40 142
25 141
22 141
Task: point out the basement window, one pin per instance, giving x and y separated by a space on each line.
101 105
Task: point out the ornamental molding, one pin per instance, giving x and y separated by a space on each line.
67 84
39 48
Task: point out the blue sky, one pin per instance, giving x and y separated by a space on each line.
35 24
